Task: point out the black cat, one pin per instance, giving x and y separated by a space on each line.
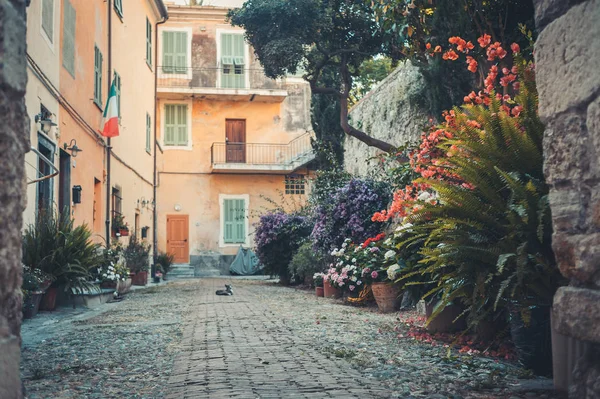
227 291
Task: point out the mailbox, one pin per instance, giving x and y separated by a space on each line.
77 194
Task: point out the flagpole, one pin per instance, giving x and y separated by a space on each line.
108 147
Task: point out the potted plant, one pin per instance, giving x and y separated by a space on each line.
112 273
164 263
137 260
35 283
157 276
318 280
119 226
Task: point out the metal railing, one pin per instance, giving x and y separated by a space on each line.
296 151
231 77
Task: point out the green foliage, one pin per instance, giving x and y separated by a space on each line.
164 262
55 246
370 72
305 263
325 183
137 255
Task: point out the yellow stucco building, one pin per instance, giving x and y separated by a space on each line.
230 138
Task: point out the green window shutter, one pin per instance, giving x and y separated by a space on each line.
169 138
176 128
234 221
119 7
182 130
97 76
175 54
148 132
148 42
168 62
181 52
68 54
48 18
232 61
238 50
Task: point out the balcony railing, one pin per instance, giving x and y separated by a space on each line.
228 77
262 156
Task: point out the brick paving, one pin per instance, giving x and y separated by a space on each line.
238 347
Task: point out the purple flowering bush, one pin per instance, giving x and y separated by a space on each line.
347 213
277 238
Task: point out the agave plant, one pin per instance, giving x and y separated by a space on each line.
59 248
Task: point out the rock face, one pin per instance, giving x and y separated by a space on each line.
13 144
568 80
388 112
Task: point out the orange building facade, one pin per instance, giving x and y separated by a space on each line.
231 140
75 50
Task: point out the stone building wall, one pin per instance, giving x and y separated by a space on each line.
13 144
386 113
567 53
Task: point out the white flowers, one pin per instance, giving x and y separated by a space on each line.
404 227
424 196
393 271
353 260
338 252
389 254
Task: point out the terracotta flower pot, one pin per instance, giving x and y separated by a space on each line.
108 284
124 232
330 291
320 291
49 299
387 296
140 278
32 304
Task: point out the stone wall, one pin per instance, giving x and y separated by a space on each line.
13 144
568 79
388 113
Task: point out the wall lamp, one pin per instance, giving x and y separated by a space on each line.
72 147
45 122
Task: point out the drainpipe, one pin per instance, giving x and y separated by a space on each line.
155 174
108 147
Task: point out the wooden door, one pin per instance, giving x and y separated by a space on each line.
178 237
235 138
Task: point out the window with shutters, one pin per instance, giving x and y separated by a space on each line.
176 125
119 7
175 52
148 133
233 62
117 80
97 77
48 19
148 43
234 220
68 44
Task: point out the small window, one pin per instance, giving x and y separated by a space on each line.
48 19
118 90
232 61
295 184
119 7
69 37
176 126
97 77
234 221
175 52
148 43
148 133
116 202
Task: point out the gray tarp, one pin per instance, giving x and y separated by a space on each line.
245 263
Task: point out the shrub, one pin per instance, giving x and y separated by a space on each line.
347 214
55 246
305 263
278 236
136 255
113 265
164 262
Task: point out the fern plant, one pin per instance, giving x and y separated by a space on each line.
486 242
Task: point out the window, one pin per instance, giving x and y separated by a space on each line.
118 90
295 184
119 7
148 133
176 126
232 61
234 221
97 77
45 195
148 43
48 19
116 201
175 51
69 38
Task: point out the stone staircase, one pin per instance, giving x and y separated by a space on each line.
181 270
208 266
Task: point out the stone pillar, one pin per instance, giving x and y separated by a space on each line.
567 56
14 142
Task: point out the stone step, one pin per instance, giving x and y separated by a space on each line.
182 271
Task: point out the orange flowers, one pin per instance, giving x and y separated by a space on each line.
515 48
428 46
484 40
472 64
450 55
495 51
461 45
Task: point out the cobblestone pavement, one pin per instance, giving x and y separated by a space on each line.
266 341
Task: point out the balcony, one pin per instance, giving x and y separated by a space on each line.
262 157
226 84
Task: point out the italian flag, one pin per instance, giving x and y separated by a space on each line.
111 114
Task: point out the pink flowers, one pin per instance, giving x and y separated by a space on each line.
374 275
351 287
